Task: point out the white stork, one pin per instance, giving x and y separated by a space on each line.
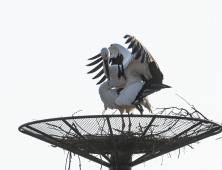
142 78
123 100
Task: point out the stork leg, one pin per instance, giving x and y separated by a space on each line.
123 124
145 102
140 108
130 124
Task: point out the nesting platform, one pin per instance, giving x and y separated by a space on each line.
147 135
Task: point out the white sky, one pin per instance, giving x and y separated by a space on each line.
44 47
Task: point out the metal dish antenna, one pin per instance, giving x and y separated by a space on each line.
104 135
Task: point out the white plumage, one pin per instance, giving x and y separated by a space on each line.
130 79
124 102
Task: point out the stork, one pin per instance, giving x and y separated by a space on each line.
142 78
125 100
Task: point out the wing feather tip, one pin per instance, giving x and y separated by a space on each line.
127 36
92 58
101 80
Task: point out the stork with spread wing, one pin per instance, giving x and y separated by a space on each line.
142 74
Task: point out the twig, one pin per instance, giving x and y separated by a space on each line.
66 160
190 146
199 112
162 160
192 106
76 112
185 100
140 128
101 128
70 159
79 163
179 153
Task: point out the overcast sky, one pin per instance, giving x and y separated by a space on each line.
44 47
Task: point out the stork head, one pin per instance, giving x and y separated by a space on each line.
105 55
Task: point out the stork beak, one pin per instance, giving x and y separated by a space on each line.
106 63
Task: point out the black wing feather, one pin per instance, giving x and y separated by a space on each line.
135 48
132 44
102 80
98 55
99 74
143 57
129 40
96 68
138 53
127 36
95 62
147 60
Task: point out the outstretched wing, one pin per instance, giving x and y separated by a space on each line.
119 54
115 60
140 52
98 59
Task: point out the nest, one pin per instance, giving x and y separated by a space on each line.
123 144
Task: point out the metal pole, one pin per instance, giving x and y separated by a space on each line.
121 164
